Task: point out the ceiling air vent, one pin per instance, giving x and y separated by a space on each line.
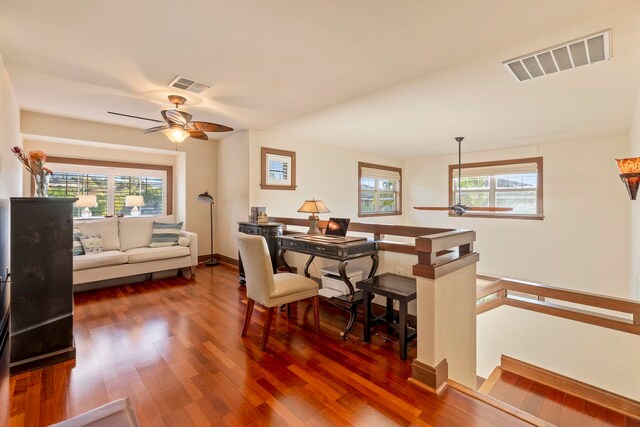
188 84
583 51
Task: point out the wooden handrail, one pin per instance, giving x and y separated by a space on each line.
501 289
378 231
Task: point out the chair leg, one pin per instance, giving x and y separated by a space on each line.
316 312
267 327
247 317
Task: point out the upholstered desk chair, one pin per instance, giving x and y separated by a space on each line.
268 289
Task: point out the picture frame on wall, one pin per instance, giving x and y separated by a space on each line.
278 169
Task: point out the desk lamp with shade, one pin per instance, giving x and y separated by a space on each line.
134 202
313 207
86 201
207 198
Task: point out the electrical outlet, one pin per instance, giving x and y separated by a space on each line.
399 270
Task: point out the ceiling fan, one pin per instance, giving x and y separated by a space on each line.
178 124
460 209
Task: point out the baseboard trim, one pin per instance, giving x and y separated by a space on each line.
433 377
615 402
219 257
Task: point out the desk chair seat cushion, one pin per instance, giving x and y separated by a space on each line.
289 287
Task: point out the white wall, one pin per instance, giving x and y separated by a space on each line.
598 356
232 193
10 176
582 243
634 224
195 161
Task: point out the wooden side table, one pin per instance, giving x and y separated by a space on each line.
393 287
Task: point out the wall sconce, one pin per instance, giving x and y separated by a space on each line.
313 207
136 201
86 201
630 174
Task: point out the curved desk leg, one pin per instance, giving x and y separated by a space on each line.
374 265
284 261
353 309
307 265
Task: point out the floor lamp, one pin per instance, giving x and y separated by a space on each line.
206 198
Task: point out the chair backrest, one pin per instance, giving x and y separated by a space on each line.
257 267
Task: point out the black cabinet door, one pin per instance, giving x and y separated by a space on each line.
41 282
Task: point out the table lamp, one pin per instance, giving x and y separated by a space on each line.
136 202
86 201
313 207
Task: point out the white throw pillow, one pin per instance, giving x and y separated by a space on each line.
184 241
107 229
135 232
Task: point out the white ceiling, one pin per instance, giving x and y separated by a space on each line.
397 78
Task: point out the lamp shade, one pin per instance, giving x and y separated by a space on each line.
86 201
630 175
134 201
205 198
313 206
176 133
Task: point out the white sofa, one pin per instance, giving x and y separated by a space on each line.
126 253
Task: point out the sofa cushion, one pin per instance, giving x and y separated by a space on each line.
165 234
152 254
135 232
100 259
76 249
107 229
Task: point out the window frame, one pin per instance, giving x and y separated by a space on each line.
382 167
539 215
115 164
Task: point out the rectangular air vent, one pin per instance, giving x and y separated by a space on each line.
583 51
188 84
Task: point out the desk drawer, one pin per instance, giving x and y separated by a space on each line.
292 244
331 250
249 230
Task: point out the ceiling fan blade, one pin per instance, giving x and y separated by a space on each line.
208 127
175 116
432 208
489 209
134 117
156 129
198 134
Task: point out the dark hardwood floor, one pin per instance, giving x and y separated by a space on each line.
174 348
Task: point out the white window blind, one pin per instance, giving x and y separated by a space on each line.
111 186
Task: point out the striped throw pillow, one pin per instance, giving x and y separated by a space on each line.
165 234
77 249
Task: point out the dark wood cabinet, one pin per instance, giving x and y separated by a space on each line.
270 231
41 282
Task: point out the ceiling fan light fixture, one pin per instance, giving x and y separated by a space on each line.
176 134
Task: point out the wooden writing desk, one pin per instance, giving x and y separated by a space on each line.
340 251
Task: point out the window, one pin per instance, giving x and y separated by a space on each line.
111 182
379 190
516 184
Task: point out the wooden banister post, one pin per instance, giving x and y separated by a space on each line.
446 309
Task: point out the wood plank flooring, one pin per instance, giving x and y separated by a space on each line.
552 405
174 348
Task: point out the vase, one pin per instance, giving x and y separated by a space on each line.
42 185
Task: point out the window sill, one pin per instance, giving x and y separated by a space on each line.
361 215
537 217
